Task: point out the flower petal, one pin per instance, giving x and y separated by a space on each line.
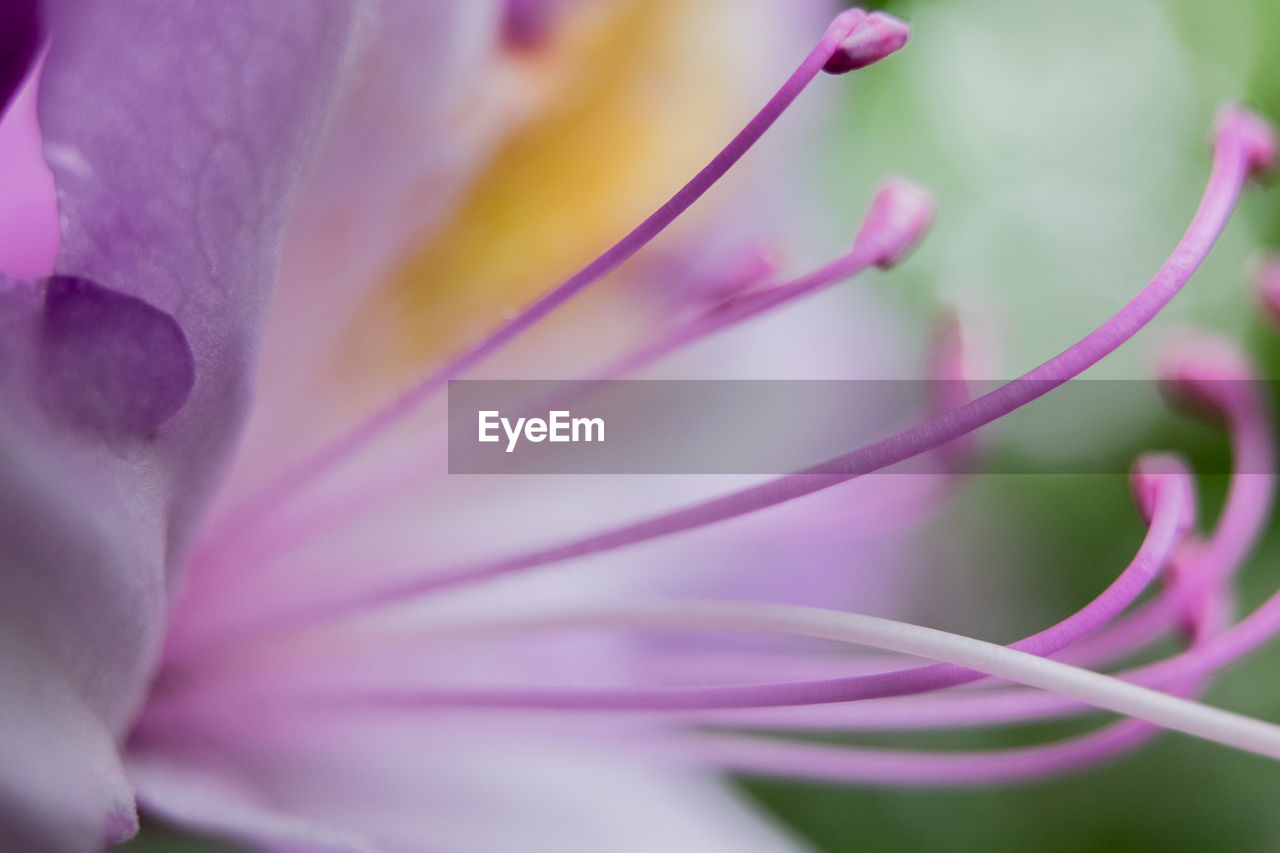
406 784
112 362
429 99
175 162
174 132
80 597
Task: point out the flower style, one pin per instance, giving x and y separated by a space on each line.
297 664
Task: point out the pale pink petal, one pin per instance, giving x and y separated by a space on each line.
123 380
408 784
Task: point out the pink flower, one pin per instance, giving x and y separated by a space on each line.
352 651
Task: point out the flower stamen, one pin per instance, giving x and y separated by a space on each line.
1218 381
270 498
1235 158
1164 489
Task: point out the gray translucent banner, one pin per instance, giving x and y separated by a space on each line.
778 427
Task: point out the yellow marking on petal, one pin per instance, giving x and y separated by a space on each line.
634 107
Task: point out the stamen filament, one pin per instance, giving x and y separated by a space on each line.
1167 481
898 218
934 769
1249 498
1233 162
327 457
1166 528
923 769
1244 516
1236 153
1101 691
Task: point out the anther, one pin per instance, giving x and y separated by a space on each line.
1151 474
1205 375
872 39
899 216
734 271
1257 134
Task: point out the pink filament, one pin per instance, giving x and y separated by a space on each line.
888 232
1169 505
897 219
1165 530
1167 526
948 769
1234 151
1232 165
860 765
1241 523
1243 518
314 467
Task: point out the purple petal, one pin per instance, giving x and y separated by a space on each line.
175 132
111 362
80 588
175 161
